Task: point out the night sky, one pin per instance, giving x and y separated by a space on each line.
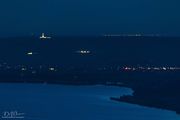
89 17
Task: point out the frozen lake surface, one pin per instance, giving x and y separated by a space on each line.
60 102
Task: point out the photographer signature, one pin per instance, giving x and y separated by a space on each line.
12 114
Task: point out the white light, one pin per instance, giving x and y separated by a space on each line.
51 69
156 68
29 53
164 68
149 68
23 69
44 37
83 52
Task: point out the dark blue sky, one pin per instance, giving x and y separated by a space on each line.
89 17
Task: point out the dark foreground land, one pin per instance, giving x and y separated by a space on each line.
56 61
159 90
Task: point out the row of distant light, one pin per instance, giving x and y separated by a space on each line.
80 52
51 69
150 68
34 71
131 35
130 68
23 68
126 68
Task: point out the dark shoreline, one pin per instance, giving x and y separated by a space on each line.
157 101
136 101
